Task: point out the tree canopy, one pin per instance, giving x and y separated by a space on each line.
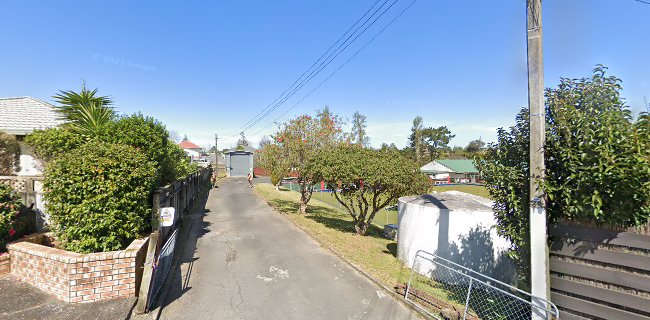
365 180
597 161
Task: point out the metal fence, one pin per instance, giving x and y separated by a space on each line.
180 195
447 290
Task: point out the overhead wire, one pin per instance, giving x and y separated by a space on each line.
314 64
339 68
322 66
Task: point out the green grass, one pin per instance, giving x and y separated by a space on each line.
334 227
471 189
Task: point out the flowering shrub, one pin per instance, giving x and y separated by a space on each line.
9 212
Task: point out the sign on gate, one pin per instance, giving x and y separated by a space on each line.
167 216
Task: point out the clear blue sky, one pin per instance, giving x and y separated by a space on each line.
205 67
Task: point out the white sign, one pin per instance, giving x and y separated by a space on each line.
167 216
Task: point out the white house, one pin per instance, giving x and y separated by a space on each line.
20 116
191 149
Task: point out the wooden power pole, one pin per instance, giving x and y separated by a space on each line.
216 156
539 266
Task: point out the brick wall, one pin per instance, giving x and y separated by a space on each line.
5 264
74 277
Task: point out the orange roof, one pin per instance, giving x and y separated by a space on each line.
187 144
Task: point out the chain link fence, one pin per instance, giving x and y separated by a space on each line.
447 290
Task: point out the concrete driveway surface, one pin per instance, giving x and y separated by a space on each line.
244 261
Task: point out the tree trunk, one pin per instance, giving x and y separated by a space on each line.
303 207
361 227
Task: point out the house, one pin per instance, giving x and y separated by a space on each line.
191 149
448 171
20 116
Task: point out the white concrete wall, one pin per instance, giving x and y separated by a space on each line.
441 231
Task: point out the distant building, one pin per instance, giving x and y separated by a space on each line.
451 171
191 149
20 116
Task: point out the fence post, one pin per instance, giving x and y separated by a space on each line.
469 292
143 295
155 211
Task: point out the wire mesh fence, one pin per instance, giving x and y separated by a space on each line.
447 290
162 267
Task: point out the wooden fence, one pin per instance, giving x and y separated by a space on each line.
600 273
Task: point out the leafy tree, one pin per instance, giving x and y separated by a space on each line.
274 161
597 162
358 134
85 111
475 146
436 141
264 142
299 140
9 153
365 180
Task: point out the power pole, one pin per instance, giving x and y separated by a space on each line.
216 156
539 265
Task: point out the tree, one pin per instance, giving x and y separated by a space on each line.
299 140
436 141
85 111
358 133
264 142
9 152
242 142
475 146
416 141
597 162
274 161
365 180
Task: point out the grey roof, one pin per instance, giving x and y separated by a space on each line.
452 200
22 115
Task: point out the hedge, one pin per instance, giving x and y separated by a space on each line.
97 196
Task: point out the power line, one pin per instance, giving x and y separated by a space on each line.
316 62
339 68
321 67
642 1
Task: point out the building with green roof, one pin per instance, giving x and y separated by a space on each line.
451 170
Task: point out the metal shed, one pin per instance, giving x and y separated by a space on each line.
239 163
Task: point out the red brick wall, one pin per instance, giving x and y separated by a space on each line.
5 264
75 277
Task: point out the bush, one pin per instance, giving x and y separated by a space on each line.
50 143
152 138
9 152
9 211
97 196
597 162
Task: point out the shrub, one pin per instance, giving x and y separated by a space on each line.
9 211
9 152
597 162
152 138
50 143
97 196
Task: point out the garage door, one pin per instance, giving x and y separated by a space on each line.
239 165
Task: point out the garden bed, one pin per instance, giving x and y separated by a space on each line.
75 277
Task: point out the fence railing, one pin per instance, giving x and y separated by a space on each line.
180 195
441 287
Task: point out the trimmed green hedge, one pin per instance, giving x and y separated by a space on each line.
98 196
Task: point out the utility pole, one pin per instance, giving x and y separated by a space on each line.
539 265
216 158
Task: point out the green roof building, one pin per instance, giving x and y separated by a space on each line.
460 171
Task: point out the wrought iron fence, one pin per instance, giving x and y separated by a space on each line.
162 267
445 289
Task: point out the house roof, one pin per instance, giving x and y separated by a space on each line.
449 166
23 115
187 144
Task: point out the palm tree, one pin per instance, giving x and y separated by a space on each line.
84 111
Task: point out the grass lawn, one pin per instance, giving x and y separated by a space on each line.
472 189
326 222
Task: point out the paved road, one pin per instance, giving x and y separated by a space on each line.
245 261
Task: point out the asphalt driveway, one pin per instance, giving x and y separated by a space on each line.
244 261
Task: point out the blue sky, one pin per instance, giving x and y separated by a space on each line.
206 67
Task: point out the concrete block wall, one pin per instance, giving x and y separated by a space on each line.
74 277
